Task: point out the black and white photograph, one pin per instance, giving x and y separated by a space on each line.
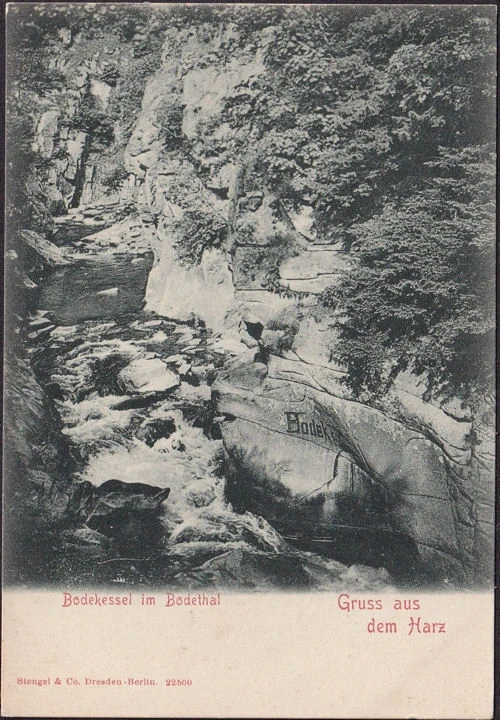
250 296
249 359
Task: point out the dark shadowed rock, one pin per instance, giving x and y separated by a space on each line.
140 401
153 430
240 568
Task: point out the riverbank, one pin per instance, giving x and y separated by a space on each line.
136 492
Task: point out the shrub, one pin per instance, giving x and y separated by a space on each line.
114 179
288 329
169 121
264 264
196 231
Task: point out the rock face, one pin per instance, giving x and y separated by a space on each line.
312 459
124 513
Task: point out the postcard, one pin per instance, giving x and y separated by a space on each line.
249 361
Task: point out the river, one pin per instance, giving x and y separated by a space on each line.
140 429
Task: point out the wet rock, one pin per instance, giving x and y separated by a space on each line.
126 513
142 401
109 291
153 430
40 322
105 375
63 332
207 372
241 568
41 333
296 438
158 337
133 530
168 444
80 500
201 531
135 488
200 493
54 390
86 537
175 358
148 375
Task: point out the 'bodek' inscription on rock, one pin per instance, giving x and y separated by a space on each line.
297 424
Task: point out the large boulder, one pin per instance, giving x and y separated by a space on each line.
148 375
312 460
126 514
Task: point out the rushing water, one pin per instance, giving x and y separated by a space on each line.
113 431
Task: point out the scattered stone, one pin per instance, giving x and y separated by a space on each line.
159 337
128 513
110 291
148 375
63 331
175 359
86 536
245 568
200 493
40 322
153 430
184 369
142 401
54 390
43 332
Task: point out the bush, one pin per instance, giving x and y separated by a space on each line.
114 179
420 291
91 120
264 264
288 329
169 121
196 231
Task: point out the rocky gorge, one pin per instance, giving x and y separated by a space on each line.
208 436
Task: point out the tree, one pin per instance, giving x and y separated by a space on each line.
420 292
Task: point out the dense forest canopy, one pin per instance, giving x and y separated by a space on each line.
382 119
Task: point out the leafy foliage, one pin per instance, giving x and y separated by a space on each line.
420 294
263 262
382 119
114 179
196 231
169 119
90 119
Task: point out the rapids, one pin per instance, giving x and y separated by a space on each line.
167 439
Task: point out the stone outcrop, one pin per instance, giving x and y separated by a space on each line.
327 460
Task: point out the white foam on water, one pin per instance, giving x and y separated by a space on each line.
94 420
199 524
